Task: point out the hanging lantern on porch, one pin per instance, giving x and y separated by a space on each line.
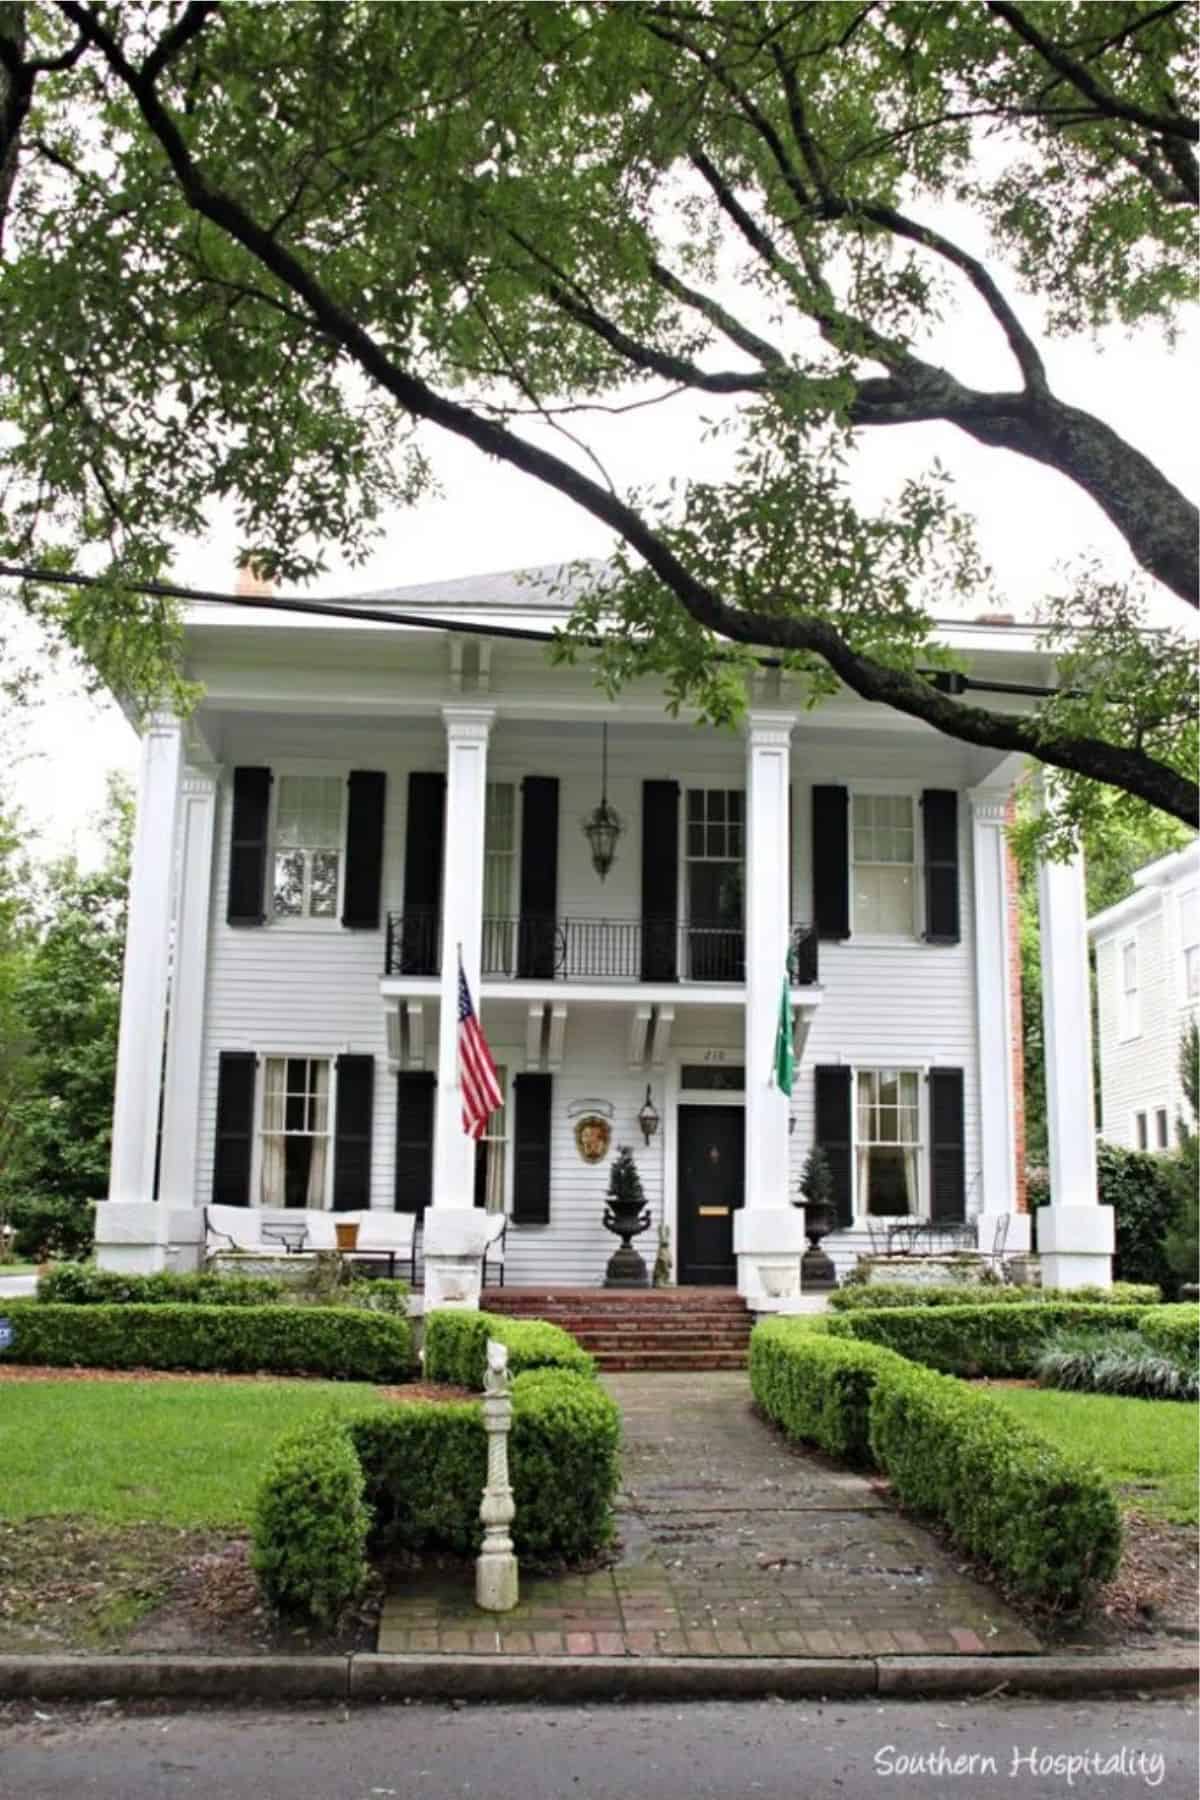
603 825
648 1118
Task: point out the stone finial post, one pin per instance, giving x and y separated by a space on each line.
496 1565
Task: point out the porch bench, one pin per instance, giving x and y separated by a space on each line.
266 1231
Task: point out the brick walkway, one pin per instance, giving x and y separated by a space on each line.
731 1544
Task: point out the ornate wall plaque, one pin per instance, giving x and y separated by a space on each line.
593 1135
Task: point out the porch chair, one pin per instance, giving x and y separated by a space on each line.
497 1238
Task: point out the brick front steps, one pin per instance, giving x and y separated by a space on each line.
660 1328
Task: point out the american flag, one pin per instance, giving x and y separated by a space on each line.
476 1071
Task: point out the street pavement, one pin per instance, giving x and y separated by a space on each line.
762 1750
732 1543
17 1287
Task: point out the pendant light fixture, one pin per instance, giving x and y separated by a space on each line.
603 825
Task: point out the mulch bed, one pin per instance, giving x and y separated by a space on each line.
410 1390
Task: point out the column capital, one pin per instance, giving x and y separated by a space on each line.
989 806
468 724
199 782
162 722
769 730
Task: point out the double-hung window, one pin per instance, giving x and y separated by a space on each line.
888 1136
491 1154
294 1131
713 851
308 846
1128 1008
884 864
499 878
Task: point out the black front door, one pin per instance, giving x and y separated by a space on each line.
711 1173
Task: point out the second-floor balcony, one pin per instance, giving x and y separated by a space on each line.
532 948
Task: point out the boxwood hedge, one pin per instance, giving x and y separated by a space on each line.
422 1468
1175 1330
1046 1521
456 1346
83 1284
822 1397
878 1294
345 1343
977 1340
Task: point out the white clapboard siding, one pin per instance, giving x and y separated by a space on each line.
1137 1072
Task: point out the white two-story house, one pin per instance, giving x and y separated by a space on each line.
356 803
1148 990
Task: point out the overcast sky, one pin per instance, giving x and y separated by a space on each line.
493 518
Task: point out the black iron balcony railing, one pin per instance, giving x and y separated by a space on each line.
629 950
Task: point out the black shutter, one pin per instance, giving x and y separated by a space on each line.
235 1127
423 834
352 1142
248 846
831 861
939 809
833 1133
364 849
539 876
660 880
414 1141
531 1139
947 1151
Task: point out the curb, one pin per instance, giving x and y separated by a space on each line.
573 1679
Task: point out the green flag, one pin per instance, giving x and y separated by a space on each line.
785 1050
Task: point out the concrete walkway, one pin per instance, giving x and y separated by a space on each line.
731 1544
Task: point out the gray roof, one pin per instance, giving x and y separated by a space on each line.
507 590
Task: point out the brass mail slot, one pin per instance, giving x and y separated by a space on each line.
713 1212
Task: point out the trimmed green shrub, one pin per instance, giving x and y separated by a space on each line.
46 1225
1046 1521
822 1396
83 1284
1175 1330
565 1448
310 1525
880 1294
422 1468
1114 1362
977 1340
456 1346
341 1342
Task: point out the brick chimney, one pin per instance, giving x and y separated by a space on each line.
250 585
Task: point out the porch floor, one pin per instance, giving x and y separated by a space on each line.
730 1543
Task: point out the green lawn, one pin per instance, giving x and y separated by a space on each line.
18 1268
1147 1448
168 1452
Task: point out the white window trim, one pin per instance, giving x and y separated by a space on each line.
915 937
262 1057
1129 1014
859 1214
1156 1107
279 921
1140 1112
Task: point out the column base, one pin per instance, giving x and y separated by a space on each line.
131 1237
1076 1246
453 1248
769 1243
1018 1236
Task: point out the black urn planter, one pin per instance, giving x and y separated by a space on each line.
626 1219
817 1273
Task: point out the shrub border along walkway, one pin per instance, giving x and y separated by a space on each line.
1045 1521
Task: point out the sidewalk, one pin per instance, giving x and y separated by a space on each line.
731 1544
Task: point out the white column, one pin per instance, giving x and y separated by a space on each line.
137 1231
994 1023
189 970
452 1226
1075 1233
768 1232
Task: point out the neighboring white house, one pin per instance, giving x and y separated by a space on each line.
352 801
1148 988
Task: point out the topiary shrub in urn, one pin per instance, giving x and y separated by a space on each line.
625 1214
817 1273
